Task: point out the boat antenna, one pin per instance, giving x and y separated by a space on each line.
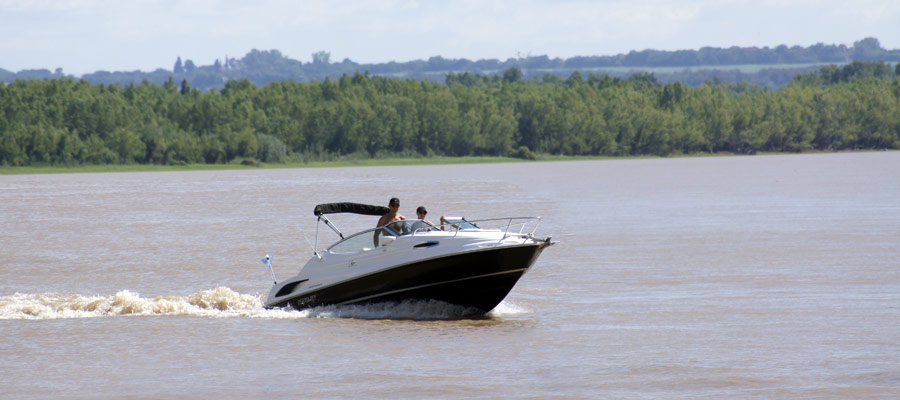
268 262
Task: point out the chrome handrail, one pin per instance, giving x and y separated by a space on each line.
510 222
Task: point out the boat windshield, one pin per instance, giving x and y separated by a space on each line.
418 226
362 241
372 238
456 223
409 227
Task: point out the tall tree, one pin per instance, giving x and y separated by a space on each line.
178 68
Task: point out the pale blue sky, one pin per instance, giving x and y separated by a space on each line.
83 36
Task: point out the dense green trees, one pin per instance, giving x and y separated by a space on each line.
67 122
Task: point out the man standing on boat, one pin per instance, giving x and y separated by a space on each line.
391 216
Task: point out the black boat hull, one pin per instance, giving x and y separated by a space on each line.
478 280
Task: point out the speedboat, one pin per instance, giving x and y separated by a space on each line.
473 264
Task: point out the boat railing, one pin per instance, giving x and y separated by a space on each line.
511 226
375 237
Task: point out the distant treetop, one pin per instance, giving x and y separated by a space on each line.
779 65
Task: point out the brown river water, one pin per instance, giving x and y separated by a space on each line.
720 277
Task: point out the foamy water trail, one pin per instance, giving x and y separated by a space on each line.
220 302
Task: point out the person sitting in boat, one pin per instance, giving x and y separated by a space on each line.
422 223
391 217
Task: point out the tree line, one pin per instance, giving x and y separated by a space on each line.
695 66
72 122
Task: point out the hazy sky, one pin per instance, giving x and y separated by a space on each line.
83 36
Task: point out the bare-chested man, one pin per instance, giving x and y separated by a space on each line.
391 216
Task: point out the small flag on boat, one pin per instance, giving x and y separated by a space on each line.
268 262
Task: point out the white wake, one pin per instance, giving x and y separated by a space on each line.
220 302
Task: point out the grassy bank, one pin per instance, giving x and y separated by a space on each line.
237 165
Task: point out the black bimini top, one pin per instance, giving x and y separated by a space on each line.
352 208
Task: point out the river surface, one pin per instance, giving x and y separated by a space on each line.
720 277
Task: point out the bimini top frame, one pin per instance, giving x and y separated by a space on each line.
338 208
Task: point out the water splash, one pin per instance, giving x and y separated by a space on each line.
404 310
221 302
507 308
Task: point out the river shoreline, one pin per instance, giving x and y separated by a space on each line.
350 162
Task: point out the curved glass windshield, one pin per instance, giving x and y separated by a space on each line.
362 241
372 238
399 227
454 223
419 226
369 239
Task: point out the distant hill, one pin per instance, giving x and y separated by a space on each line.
767 67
